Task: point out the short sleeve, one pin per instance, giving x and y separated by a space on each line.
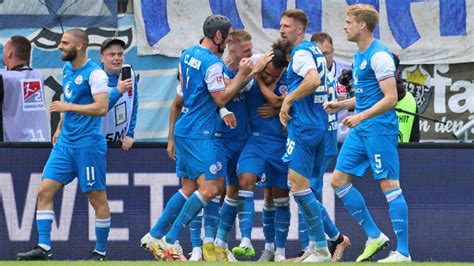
215 77
383 65
98 81
303 62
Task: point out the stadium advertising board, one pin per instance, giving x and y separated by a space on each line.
437 185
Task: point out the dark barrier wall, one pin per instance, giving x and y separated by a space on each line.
437 182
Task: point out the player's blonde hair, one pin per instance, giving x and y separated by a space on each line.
364 13
238 36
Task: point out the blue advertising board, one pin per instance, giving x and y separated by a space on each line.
437 184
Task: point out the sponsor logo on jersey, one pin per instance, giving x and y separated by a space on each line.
30 88
78 80
363 64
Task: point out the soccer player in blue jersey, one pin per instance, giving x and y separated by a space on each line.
252 169
119 123
197 162
372 142
230 140
79 146
303 114
339 242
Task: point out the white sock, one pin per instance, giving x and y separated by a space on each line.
100 252
280 251
45 247
208 240
334 238
245 242
197 249
220 243
270 246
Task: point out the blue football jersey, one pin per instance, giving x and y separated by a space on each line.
368 92
239 107
199 115
308 112
80 130
270 128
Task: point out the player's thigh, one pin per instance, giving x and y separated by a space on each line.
276 172
252 159
302 153
383 156
198 156
60 166
317 182
91 167
353 158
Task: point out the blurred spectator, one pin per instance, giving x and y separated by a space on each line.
119 123
22 104
408 124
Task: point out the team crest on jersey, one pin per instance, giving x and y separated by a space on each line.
67 90
219 166
283 89
263 179
363 64
33 98
78 80
213 169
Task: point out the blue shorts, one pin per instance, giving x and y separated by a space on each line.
261 156
317 183
228 153
305 152
195 157
87 164
380 153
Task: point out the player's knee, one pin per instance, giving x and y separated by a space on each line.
232 192
246 183
100 207
339 179
44 193
210 192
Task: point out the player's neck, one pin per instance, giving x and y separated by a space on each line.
365 42
207 43
79 61
16 64
298 41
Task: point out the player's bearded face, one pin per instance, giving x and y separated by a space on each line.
69 55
